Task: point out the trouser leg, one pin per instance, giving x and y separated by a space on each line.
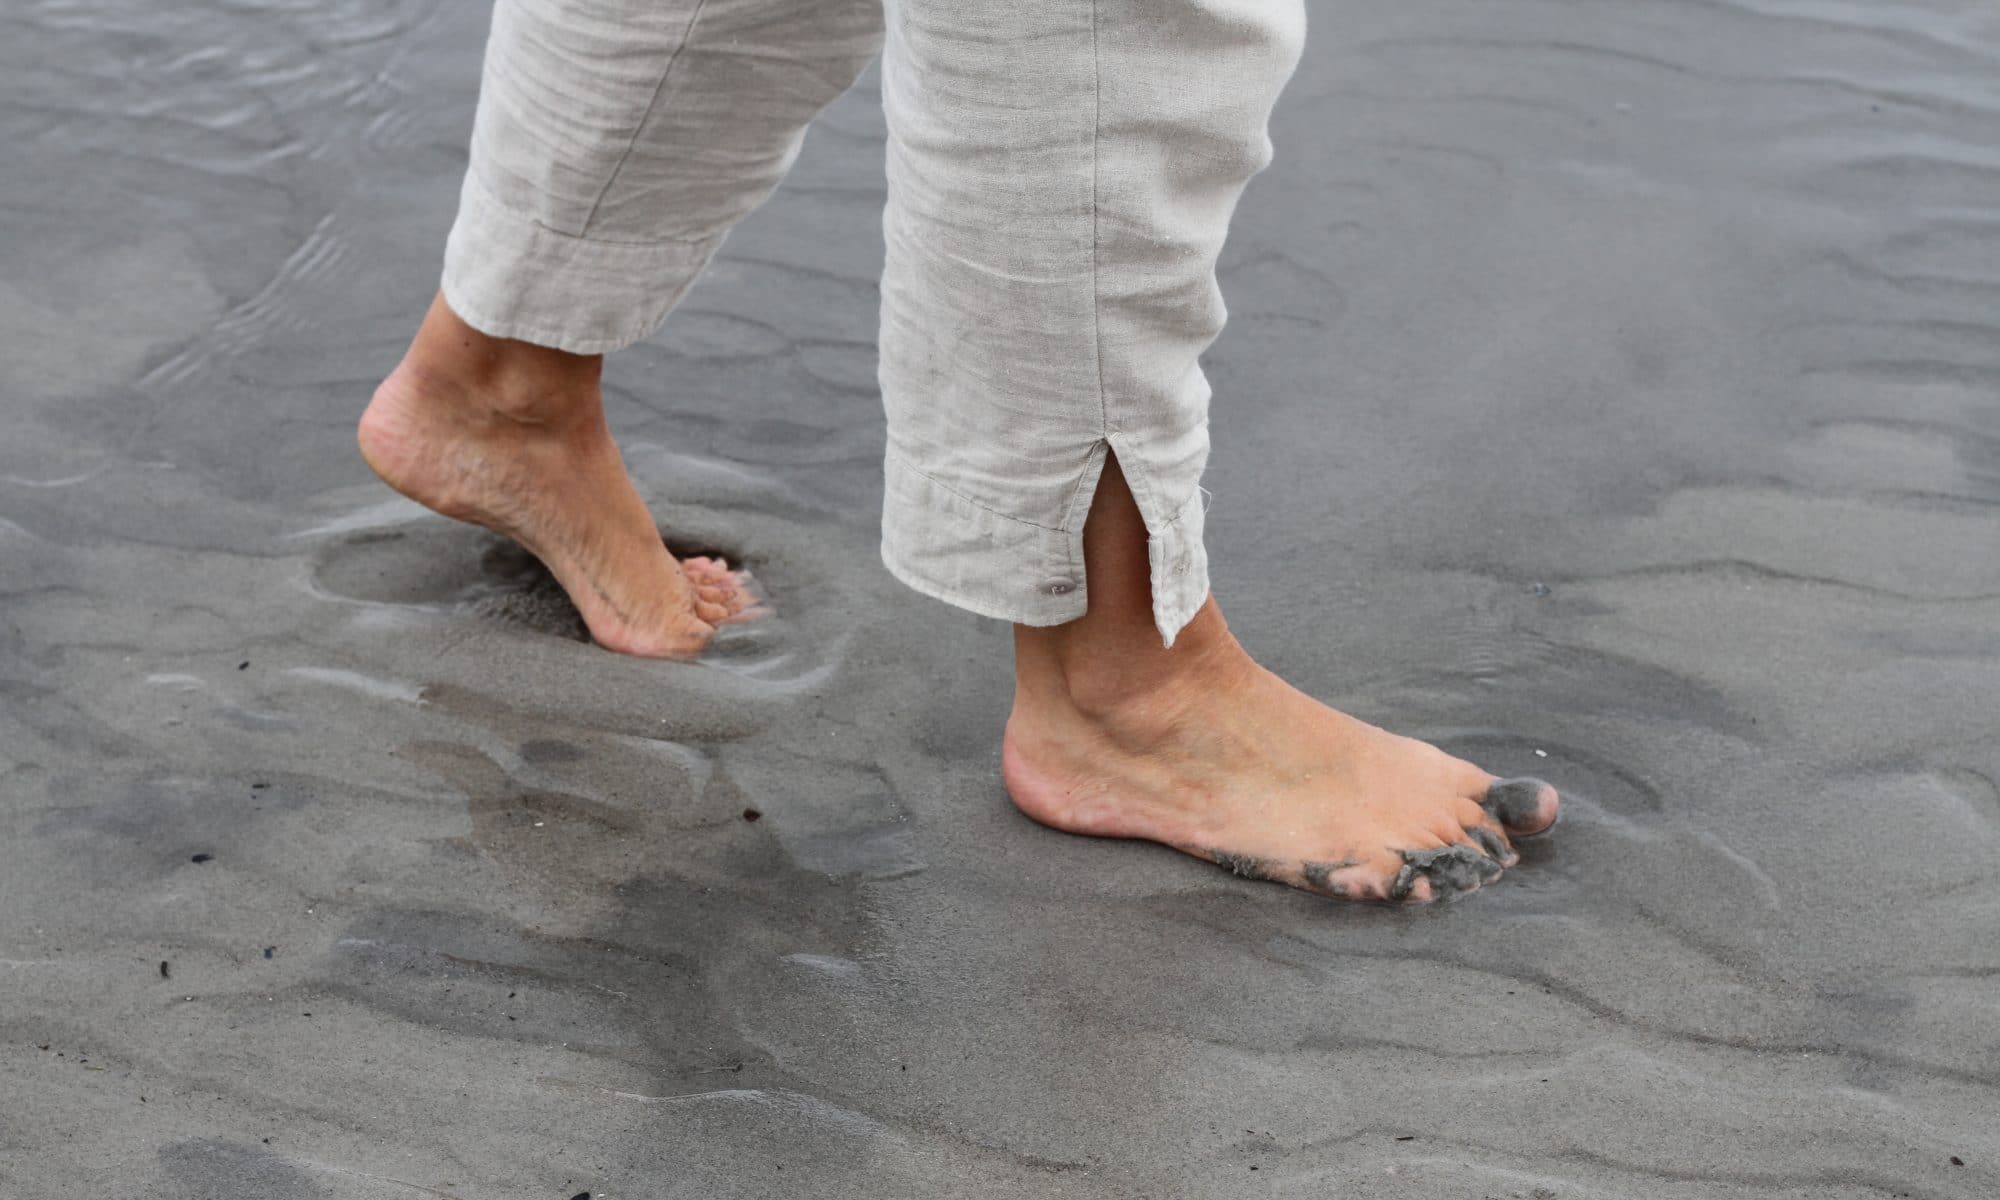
617 141
1061 177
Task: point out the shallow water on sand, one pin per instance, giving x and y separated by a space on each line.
1612 394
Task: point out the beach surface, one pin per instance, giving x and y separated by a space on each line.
1612 394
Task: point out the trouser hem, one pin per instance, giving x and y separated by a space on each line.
510 277
950 547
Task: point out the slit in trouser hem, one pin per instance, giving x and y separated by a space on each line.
509 277
952 548
1175 551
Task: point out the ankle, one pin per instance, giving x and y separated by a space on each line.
1110 678
451 364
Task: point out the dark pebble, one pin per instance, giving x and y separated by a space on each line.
202 857
751 814
163 970
1956 1161
244 665
581 1196
269 951
258 787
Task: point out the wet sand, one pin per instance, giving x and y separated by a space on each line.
1612 394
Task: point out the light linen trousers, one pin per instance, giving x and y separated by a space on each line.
1061 175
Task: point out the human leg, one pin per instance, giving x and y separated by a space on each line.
616 143
1061 178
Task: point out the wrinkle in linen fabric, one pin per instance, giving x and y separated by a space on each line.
616 143
1061 176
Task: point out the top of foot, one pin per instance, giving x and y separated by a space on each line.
1229 763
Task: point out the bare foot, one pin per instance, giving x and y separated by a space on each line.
1230 763
512 437
1202 749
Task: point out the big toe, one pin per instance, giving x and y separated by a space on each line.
1523 807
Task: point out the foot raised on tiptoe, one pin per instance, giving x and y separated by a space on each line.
1202 749
512 436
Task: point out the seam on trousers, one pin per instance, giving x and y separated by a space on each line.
1096 205
659 89
941 485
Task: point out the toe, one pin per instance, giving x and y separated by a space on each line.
1523 807
1353 879
1479 828
1451 871
1416 891
721 595
1474 867
1493 843
1421 876
704 569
